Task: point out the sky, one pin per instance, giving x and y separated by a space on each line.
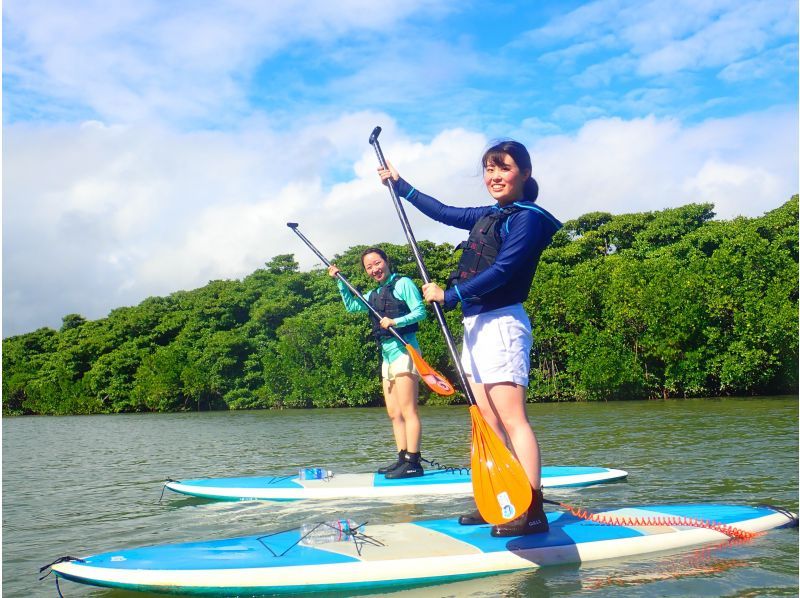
150 146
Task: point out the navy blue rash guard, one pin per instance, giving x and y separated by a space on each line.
523 237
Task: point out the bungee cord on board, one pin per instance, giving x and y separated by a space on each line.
657 521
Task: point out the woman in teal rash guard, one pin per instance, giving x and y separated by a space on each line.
492 281
399 301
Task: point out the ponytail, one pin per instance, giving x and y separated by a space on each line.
531 189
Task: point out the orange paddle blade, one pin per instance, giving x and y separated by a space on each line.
437 383
501 488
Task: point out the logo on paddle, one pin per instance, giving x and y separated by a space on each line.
444 385
438 382
506 508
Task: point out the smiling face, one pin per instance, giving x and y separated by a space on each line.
376 267
503 178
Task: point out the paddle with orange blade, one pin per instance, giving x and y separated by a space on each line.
435 381
501 487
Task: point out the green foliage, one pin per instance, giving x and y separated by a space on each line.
158 383
603 366
682 306
71 321
323 359
281 264
657 304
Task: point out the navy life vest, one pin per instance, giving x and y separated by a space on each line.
386 304
480 250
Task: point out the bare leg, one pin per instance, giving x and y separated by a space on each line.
503 407
508 400
487 409
405 391
395 414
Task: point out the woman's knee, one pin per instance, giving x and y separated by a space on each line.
411 413
393 411
489 416
517 425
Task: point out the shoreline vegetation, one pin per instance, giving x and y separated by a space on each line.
648 305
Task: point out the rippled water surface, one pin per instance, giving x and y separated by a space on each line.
82 485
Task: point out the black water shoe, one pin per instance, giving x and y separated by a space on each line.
406 470
410 468
533 521
401 458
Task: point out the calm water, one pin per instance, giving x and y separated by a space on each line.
81 485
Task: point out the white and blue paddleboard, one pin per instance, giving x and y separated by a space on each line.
386 557
372 485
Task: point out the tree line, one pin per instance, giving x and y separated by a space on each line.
659 304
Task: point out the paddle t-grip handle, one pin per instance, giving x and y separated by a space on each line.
374 136
412 241
293 226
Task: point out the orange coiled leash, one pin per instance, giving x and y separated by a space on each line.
658 521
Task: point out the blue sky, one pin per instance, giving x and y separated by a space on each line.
152 146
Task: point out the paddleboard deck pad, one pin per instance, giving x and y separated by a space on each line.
404 554
372 485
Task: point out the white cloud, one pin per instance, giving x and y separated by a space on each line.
732 183
188 173
588 21
144 60
603 73
745 165
727 37
767 65
663 37
97 217
571 54
224 241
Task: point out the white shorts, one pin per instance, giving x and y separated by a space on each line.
497 346
402 365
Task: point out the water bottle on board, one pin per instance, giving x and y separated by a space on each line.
315 473
339 530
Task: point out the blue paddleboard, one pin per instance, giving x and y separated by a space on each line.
372 485
388 557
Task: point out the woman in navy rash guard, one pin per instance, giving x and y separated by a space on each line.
493 279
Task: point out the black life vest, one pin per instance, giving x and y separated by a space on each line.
386 304
480 250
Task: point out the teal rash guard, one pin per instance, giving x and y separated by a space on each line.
405 290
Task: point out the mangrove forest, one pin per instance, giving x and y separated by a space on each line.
653 305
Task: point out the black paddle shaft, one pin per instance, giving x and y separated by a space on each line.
340 276
437 309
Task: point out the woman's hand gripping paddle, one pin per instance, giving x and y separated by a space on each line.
435 381
501 487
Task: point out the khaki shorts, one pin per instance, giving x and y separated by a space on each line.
402 365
